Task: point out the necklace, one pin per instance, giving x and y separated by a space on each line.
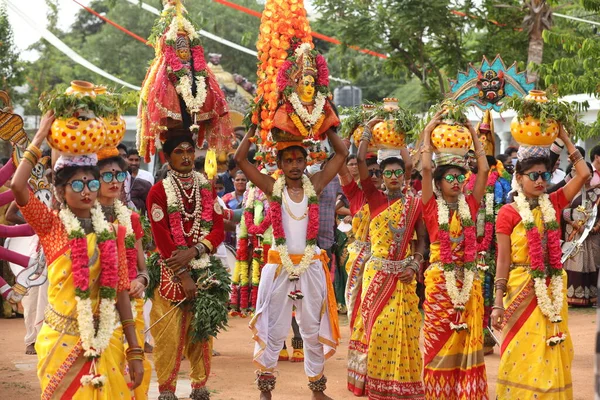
533 203
290 213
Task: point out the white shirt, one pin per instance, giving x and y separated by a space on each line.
557 176
295 231
145 175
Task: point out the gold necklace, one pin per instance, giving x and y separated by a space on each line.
287 208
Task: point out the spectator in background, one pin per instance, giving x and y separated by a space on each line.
234 200
219 187
162 173
127 184
557 173
595 160
228 176
199 164
133 158
511 154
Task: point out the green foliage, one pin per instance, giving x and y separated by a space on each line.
11 73
153 268
422 38
65 106
353 117
210 306
561 111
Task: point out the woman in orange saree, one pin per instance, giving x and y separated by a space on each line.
453 307
531 304
87 271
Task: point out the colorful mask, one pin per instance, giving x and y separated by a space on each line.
491 86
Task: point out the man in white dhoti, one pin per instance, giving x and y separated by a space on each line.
296 275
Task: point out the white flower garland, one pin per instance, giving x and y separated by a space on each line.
178 24
309 252
173 203
550 307
459 297
303 49
123 216
93 343
489 210
184 89
307 118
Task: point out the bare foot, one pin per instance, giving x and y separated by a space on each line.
30 350
215 353
265 395
320 396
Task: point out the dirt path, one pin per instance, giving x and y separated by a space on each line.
232 375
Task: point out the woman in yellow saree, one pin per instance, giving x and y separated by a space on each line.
453 307
531 304
359 252
112 175
87 271
389 304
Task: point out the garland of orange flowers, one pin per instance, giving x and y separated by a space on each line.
284 26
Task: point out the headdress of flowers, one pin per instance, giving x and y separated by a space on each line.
459 297
180 73
551 307
202 213
279 233
93 342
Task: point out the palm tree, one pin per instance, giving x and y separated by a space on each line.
538 19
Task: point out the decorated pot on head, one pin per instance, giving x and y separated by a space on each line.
78 128
451 136
366 114
391 132
114 123
530 131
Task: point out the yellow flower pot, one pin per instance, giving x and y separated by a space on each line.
83 133
451 137
528 131
115 130
386 136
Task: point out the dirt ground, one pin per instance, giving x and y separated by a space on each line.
232 376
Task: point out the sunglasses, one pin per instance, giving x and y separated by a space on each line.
78 185
459 178
534 176
388 173
375 172
108 177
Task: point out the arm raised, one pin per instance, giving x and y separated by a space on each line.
262 181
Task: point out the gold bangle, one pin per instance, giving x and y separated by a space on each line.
480 153
35 150
29 156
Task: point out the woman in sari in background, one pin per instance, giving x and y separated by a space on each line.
453 306
358 254
87 271
389 304
531 305
113 172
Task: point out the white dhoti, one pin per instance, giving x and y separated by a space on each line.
273 317
34 306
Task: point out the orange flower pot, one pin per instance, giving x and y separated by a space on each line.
386 136
451 137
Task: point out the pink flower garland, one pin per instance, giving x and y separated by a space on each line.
176 225
256 229
554 249
470 248
278 231
536 253
282 76
108 263
207 205
131 262
322 71
79 263
198 57
312 229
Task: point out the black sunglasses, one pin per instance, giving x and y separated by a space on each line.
108 177
388 173
78 185
450 178
534 176
375 172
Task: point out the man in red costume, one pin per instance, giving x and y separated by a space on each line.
187 226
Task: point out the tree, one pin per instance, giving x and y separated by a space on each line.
422 38
10 68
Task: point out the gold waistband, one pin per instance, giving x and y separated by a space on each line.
390 266
60 322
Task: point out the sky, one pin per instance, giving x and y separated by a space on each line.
25 36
